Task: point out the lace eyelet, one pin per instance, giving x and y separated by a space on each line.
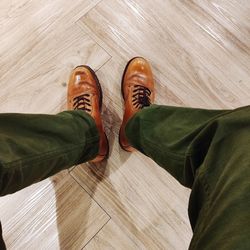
82 102
141 96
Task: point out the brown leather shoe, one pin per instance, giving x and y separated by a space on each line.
85 93
138 92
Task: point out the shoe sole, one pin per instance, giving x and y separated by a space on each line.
122 91
100 104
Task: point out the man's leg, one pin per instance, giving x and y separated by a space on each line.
34 147
207 151
166 133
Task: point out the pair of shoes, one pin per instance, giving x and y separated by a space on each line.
85 93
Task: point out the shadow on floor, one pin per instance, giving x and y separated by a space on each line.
67 227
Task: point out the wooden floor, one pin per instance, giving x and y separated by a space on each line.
200 53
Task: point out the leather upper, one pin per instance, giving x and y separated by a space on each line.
137 73
84 92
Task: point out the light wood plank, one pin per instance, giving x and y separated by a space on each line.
26 23
54 214
177 37
38 55
111 237
45 73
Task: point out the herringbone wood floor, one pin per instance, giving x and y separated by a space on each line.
200 53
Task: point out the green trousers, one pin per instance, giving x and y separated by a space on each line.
205 150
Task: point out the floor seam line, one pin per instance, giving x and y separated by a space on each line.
97 233
90 195
91 36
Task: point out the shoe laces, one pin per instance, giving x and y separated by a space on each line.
82 102
141 96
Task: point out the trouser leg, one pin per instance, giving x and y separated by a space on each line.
34 147
165 133
207 151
